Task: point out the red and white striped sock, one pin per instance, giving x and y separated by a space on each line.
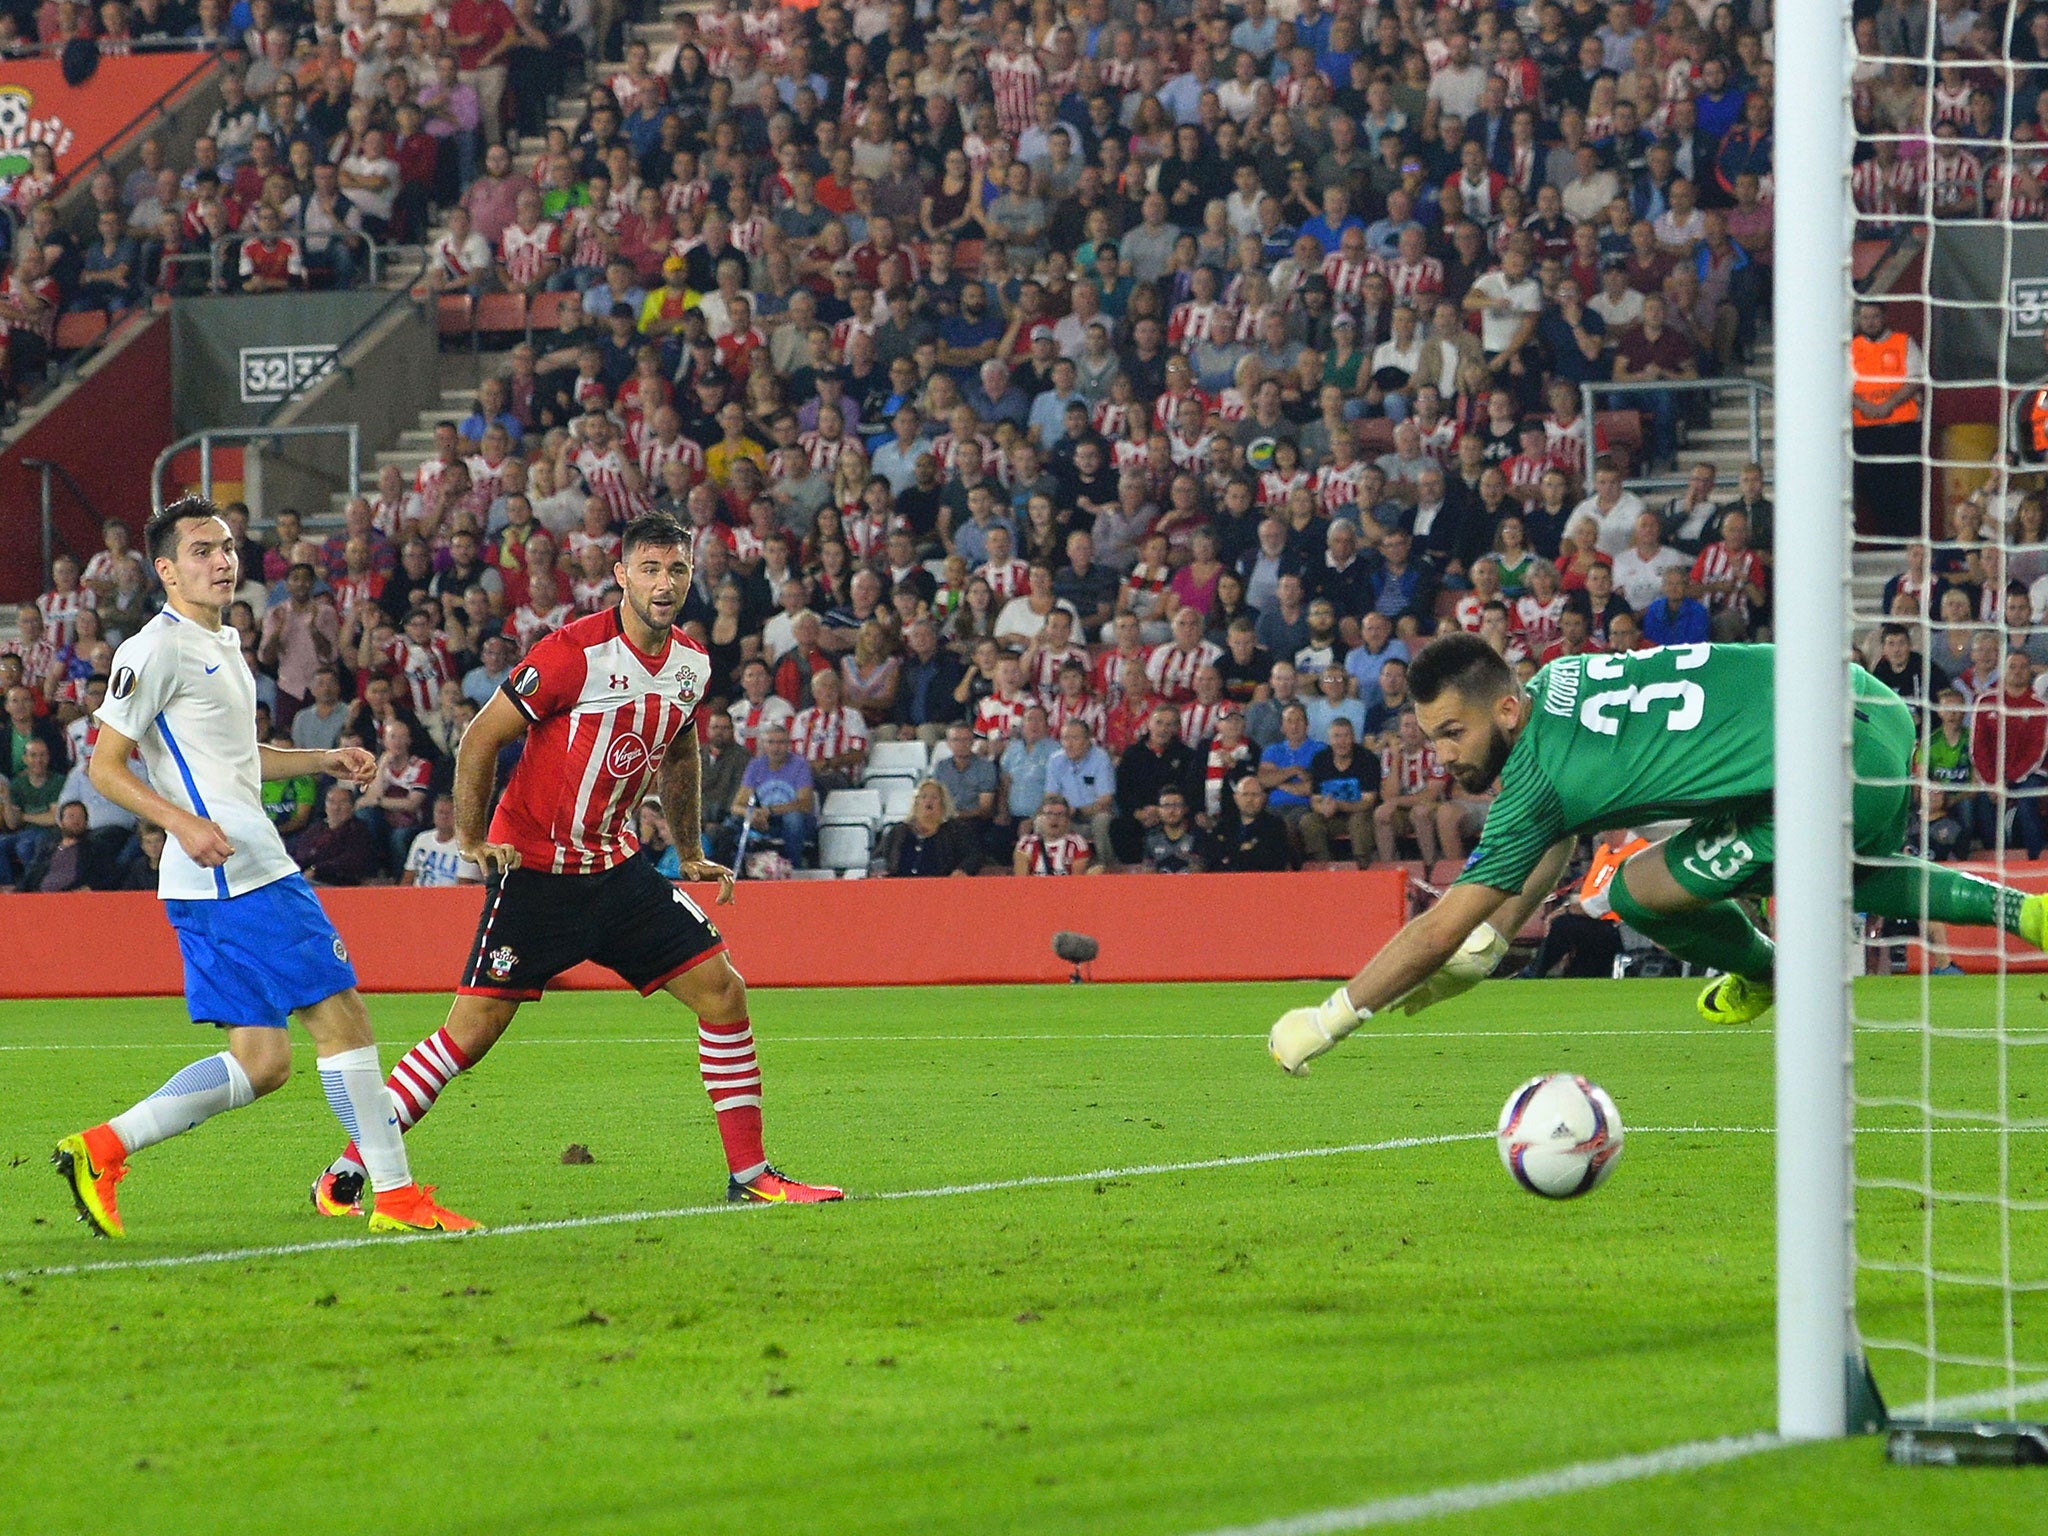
415 1083
732 1076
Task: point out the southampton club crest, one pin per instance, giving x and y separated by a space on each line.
502 960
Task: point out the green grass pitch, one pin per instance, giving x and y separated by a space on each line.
1157 1353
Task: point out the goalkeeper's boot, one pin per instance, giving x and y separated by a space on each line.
1735 1000
412 1209
92 1163
2034 921
771 1187
338 1194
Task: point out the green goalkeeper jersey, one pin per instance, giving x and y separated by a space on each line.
1618 740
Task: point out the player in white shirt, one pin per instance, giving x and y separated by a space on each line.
256 945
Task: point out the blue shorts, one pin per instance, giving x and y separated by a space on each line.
254 959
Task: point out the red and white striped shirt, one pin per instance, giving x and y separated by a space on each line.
1198 721
1538 621
1008 580
1337 488
815 735
424 669
1061 856
2013 192
1566 444
845 330
1173 670
823 451
653 453
1410 773
605 476
1192 453
1275 488
996 716
602 715
750 720
1346 278
1412 280
1440 442
1014 79
60 613
485 478
526 253
1046 664
1109 671
581 228
1716 564
680 197
1113 420
1882 191
864 532
1087 709
1196 321
749 235
1166 409
946 453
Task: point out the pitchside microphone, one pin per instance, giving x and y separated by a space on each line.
1077 949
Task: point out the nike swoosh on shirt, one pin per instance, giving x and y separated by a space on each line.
213 669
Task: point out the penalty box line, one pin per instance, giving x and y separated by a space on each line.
623 1218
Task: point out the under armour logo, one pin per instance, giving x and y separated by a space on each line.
619 680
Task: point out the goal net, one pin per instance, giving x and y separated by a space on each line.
1947 194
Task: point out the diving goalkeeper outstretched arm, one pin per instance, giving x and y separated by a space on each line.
1449 949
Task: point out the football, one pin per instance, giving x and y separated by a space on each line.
1560 1136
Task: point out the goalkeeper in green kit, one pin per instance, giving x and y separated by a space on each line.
1599 741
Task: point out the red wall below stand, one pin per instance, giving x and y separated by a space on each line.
107 435
800 933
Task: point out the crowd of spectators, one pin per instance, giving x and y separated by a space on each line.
1110 398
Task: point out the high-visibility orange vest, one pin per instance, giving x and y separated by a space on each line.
2037 424
1606 861
1880 369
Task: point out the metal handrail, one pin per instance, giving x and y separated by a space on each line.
1592 391
205 440
52 539
119 140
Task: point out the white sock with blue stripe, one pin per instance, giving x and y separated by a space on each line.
355 1090
196 1093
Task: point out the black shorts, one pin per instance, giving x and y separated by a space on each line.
629 920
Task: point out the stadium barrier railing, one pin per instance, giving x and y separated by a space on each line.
799 933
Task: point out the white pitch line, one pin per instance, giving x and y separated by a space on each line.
1580 1477
1467 1497
961 1039
574 1223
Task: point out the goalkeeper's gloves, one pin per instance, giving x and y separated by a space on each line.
1302 1034
1472 962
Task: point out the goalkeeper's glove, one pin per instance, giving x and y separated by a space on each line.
1473 961
1302 1034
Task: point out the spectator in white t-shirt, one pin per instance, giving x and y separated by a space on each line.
435 857
1614 508
1639 569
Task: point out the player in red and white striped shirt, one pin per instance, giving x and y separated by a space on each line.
1015 78
606 705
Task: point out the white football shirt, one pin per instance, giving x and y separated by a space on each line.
184 696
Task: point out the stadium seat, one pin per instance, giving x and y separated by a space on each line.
80 329
967 257
896 760
543 313
896 797
454 314
852 808
1375 437
842 847
1443 874
500 314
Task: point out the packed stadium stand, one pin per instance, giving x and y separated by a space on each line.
1079 412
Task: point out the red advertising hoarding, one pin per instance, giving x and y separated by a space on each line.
38 107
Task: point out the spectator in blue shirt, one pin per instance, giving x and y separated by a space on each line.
1675 618
1082 772
1398 585
1048 423
1333 701
1327 228
778 800
1025 762
969 337
1284 766
1377 646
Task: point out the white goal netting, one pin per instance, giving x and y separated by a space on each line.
1949 183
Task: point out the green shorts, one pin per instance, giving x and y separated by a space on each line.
1731 852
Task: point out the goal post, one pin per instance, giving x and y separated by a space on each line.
1810 306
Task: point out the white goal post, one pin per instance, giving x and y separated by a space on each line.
1812 241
